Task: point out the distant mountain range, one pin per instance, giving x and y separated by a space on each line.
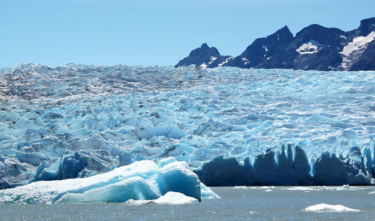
313 48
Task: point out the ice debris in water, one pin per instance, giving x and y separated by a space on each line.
113 116
326 188
329 208
171 198
139 181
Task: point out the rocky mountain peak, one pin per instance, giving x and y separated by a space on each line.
313 48
367 26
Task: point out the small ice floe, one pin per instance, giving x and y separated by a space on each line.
171 198
174 198
301 188
325 188
322 208
267 187
240 187
269 190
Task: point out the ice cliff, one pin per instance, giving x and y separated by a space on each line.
289 168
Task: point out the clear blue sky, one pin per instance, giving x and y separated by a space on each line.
154 32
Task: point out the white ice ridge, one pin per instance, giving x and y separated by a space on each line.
358 43
143 180
321 208
310 47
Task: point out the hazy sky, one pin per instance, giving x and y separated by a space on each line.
154 32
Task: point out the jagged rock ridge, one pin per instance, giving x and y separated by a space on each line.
313 48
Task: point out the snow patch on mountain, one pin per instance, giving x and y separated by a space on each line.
310 47
212 60
353 51
245 61
357 43
226 61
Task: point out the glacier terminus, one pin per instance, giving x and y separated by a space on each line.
225 126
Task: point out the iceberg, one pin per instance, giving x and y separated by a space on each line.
321 208
171 198
170 182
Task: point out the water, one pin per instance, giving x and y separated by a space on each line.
236 204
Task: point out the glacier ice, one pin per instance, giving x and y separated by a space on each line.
139 181
171 198
175 198
117 115
329 208
276 169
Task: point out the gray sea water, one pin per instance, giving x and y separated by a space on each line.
278 203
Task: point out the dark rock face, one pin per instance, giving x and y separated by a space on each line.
281 169
266 52
204 57
367 61
313 48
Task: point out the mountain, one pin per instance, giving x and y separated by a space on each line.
313 48
205 56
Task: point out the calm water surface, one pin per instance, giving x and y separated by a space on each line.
236 204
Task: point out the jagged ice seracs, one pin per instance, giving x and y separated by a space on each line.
76 121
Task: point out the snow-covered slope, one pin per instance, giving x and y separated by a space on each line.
112 116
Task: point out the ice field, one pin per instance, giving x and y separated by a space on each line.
80 120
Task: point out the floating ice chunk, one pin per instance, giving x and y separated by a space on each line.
170 198
132 202
51 191
175 198
139 181
177 177
134 188
240 187
329 208
301 188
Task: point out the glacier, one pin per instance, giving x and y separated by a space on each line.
231 126
169 182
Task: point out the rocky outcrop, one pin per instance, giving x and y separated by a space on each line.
204 57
